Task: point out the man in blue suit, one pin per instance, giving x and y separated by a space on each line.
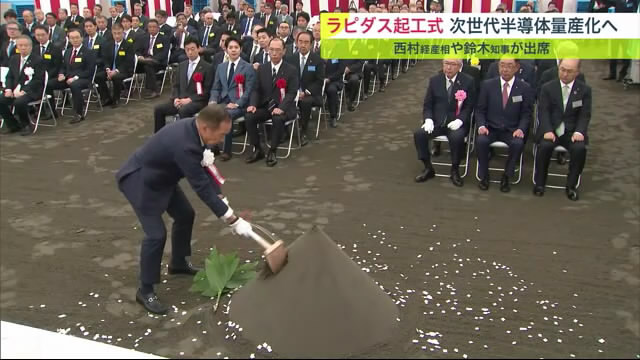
149 180
503 114
225 89
247 23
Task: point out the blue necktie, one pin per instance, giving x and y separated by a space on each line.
90 43
12 45
231 72
115 56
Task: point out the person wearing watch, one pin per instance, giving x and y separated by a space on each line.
149 180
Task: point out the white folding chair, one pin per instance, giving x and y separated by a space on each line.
245 143
295 125
499 145
319 109
87 93
468 144
360 85
44 99
163 72
132 81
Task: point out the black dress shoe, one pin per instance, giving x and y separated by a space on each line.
225 157
484 184
304 140
609 78
455 178
572 193
505 184
151 303
76 119
333 122
255 156
427 174
272 160
538 190
107 103
188 269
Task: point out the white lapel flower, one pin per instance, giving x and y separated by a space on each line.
28 71
207 158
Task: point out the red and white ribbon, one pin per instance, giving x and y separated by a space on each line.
215 173
281 94
199 88
240 90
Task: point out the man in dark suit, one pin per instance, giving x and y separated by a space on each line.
74 20
447 110
119 58
76 73
50 53
334 73
28 22
9 47
247 24
273 98
551 73
191 21
136 33
144 20
149 180
23 85
177 40
56 33
310 68
227 91
231 25
564 111
191 87
103 31
152 56
207 38
503 114
527 72
262 57
93 41
251 45
352 76
165 29
270 20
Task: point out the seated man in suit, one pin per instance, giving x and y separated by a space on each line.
334 72
51 55
103 31
249 21
221 54
352 76
177 40
191 86
272 98
152 56
56 33
564 111
227 91
119 58
447 111
23 85
264 39
527 72
310 67
207 37
503 113
250 45
93 41
9 47
76 73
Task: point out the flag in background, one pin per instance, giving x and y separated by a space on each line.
54 5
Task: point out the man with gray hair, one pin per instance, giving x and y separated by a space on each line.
447 111
284 16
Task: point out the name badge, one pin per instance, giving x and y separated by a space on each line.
96 47
121 53
577 104
130 40
311 68
47 56
78 60
212 34
17 50
159 46
516 99
161 33
334 61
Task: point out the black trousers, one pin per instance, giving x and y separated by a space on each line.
116 81
369 70
155 233
577 152
333 100
150 69
613 66
76 93
456 143
261 115
516 145
185 111
21 109
352 86
305 105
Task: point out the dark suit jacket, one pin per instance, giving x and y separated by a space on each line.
58 36
83 66
106 36
266 90
186 88
150 176
235 30
124 59
440 107
551 110
260 58
79 23
516 115
272 25
16 77
243 24
211 45
334 70
4 58
51 58
313 75
527 73
160 49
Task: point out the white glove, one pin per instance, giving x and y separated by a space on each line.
455 124
428 126
241 227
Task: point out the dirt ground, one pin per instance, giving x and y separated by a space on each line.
475 274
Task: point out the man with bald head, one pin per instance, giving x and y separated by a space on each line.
564 112
444 115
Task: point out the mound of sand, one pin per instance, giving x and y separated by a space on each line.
320 305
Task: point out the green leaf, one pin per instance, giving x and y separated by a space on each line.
222 273
244 273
